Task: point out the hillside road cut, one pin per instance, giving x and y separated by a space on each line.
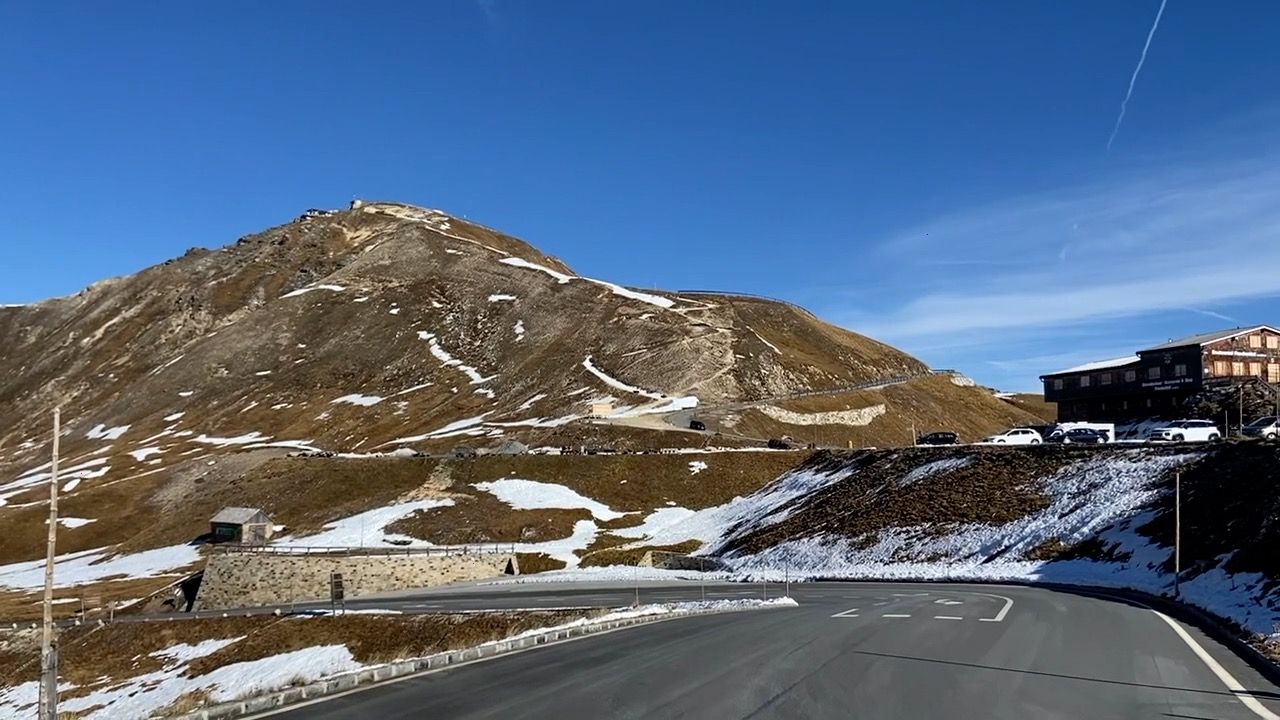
873 651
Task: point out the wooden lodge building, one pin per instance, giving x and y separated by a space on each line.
1155 382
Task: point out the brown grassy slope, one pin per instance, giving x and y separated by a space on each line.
998 486
924 404
124 650
1035 404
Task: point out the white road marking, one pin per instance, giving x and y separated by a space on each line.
947 617
1008 603
886 602
895 615
1227 678
910 594
945 601
851 612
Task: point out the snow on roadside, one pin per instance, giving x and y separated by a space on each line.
88 566
502 297
696 467
73 522
534 495
366 529
667 403
518 329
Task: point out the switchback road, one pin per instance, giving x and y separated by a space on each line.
850 650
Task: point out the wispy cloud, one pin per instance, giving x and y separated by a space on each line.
1167 240
1167 250
1133 79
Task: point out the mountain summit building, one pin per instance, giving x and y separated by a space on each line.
1155 381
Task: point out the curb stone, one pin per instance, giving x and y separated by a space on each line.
381 673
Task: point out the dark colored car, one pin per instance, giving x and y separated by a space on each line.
1078 436
776 444
697 425
938 438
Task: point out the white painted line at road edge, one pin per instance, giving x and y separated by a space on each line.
1008 603
1227 678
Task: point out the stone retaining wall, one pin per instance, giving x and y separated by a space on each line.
249 579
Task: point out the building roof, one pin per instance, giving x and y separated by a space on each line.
1094 366
236 515
1208 337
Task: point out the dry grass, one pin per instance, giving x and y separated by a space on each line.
18 605
921 405
482 518
531 563
632 556
1035 404
125 650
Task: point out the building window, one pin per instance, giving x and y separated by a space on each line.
1221 368
1273 373
1237 369
1255 341
1084 381
1180 370
1130 376
1105 379
1273 342
1255 369
1057 384
1153 373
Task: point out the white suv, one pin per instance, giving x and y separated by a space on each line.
1186 431
1016 436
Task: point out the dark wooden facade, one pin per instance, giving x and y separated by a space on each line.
1155 382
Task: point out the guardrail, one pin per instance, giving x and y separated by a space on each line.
442 550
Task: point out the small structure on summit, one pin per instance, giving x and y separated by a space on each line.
247 526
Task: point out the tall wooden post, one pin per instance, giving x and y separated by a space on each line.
1177 532
48 645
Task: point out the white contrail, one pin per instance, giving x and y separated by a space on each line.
1125 103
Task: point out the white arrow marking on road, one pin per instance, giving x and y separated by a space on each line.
945 601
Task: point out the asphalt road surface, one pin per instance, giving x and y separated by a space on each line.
850 650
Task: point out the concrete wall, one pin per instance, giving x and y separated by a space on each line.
248 579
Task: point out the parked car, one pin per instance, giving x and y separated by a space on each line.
1106 430
1016 436
1078 436
778 444
1267 428
938 438
697 425
1186 431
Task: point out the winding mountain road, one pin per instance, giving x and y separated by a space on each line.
850 650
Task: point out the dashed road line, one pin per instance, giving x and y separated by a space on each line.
851 612
947 617
895 615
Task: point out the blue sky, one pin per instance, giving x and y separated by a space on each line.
933 174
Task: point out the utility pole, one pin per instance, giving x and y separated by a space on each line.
48 644
1177 532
